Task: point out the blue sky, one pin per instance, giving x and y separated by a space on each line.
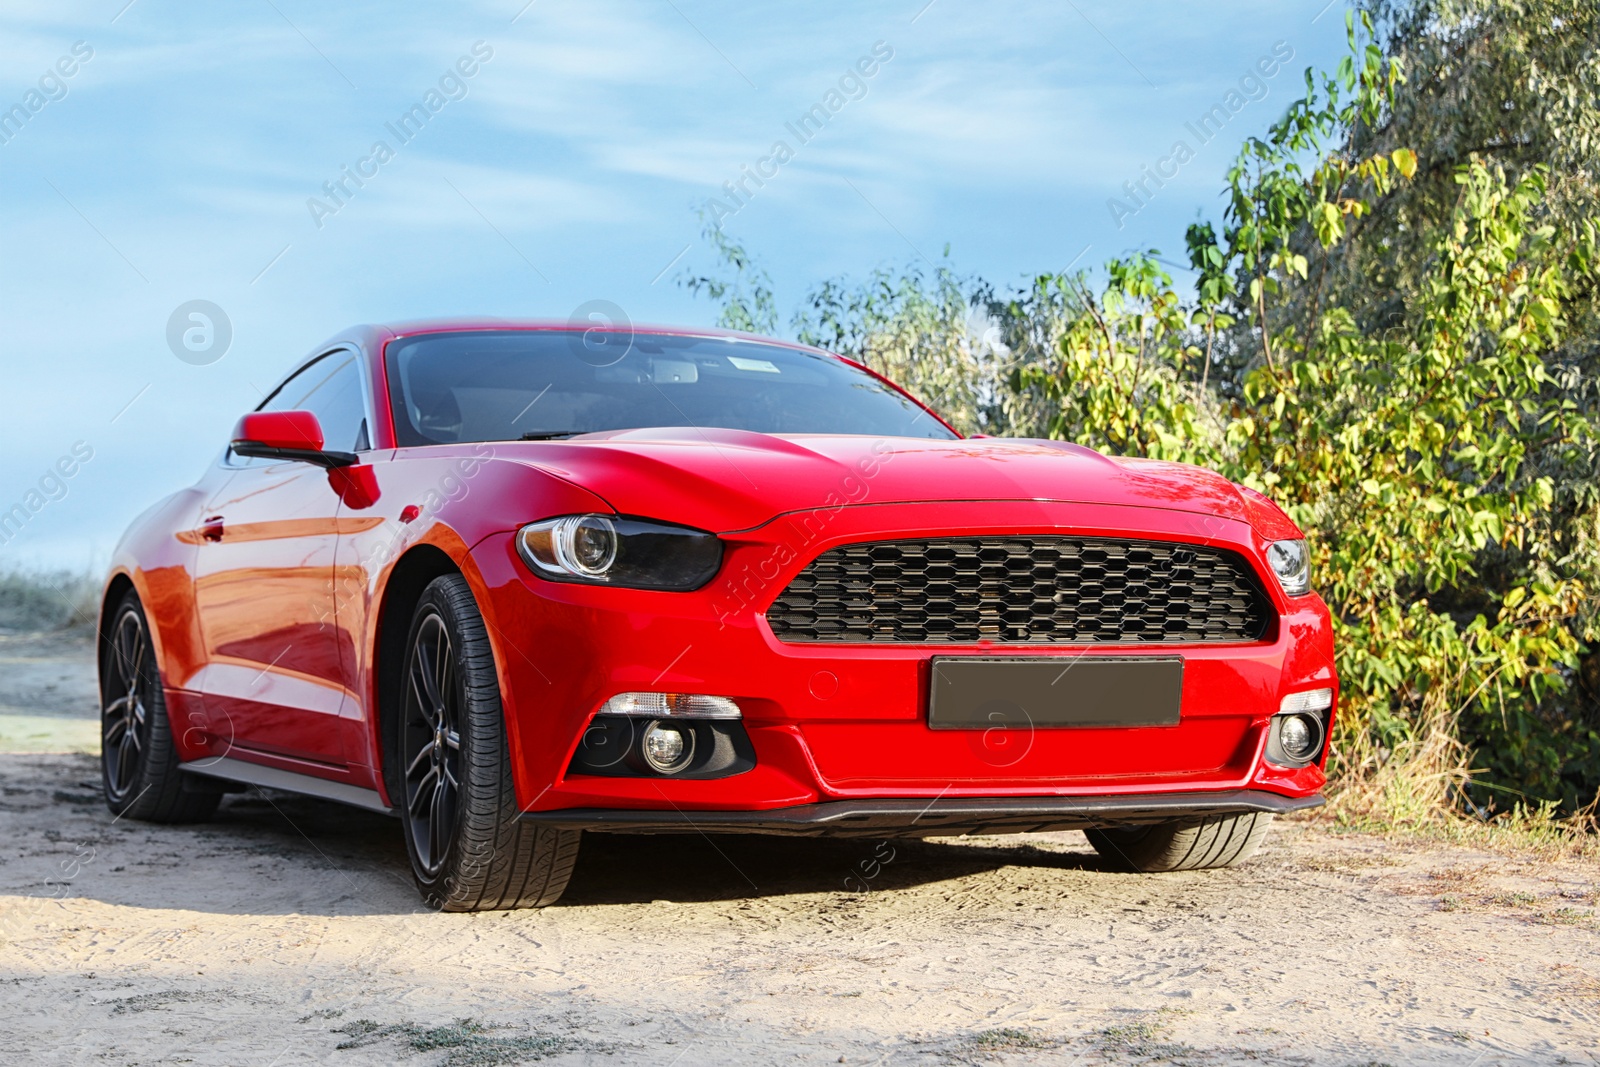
177 163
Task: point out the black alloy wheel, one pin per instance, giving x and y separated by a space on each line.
125 722
469 848
432 746
139 763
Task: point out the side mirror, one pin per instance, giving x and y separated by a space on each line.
292 435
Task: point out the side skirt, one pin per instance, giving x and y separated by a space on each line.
237 770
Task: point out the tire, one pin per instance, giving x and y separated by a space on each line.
138 760
1189 845
469 851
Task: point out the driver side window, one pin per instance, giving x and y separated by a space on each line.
330 389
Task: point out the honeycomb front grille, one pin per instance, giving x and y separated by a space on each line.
1069 590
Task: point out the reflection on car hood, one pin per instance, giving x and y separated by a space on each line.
727 480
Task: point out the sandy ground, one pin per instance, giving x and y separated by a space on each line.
48 699
287 932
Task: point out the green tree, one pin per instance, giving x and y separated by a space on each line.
1406 449
1517 85
927 333
742 287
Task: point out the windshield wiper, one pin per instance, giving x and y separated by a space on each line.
549 435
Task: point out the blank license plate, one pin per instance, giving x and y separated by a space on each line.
969 694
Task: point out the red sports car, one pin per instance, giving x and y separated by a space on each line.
514 581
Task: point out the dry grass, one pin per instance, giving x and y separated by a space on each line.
1419 787
465 1042
35 601
1521 891
1576 986
1536 834
1416 783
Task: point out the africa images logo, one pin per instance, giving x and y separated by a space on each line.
452 85
851 85
1252 86
52 86
199 332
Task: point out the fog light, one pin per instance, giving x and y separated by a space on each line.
684 705
1297 736
667 748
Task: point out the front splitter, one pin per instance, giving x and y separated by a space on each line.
925 818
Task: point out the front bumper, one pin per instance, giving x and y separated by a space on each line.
935 818
840 723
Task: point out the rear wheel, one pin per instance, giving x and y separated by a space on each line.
469 851
138 760
1190 845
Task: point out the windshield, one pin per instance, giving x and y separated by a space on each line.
544 384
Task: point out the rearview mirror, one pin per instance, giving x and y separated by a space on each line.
294 435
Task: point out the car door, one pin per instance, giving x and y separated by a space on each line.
274 679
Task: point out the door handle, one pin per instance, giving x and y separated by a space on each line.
211 528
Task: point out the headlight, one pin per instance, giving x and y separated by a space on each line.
610 550
1291 563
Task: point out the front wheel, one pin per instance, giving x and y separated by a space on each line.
1190 845
469 851
138 760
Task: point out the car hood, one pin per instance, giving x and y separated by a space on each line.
729 480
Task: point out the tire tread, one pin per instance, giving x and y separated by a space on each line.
1207 843
501 863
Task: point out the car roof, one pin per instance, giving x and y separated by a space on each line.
414 327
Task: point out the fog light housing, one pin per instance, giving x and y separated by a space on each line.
1296 739
615 746
666 748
